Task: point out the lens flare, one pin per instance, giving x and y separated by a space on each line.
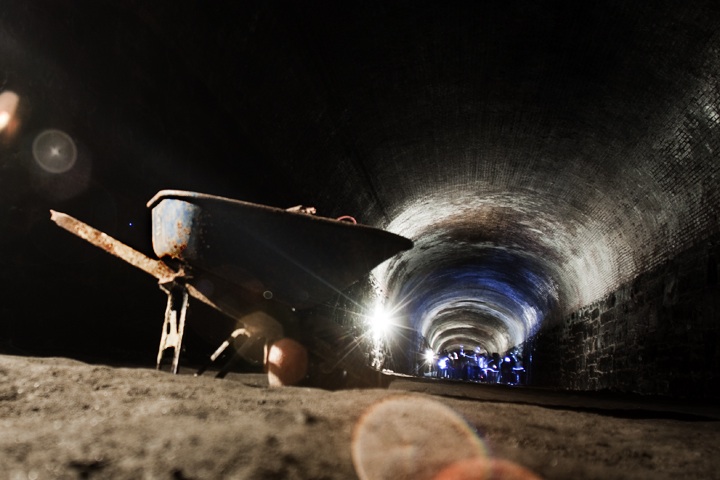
411 437
481 468
8 104
4 119
429 356
54 151
379 322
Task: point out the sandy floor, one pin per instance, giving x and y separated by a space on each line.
64 419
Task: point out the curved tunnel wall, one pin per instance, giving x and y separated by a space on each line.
616 185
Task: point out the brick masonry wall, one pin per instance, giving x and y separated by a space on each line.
659 334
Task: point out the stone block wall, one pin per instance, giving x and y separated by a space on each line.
659 334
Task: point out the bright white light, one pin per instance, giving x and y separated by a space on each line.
379 322
429 355
4 119
8 105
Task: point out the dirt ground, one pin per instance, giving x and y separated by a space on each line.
65 419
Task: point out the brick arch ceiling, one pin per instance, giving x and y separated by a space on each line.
540 154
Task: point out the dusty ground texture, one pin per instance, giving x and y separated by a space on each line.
61 418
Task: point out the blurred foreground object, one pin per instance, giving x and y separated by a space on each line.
485 468
287 363
411 438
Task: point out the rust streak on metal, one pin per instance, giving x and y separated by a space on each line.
156 268
113 246
183 232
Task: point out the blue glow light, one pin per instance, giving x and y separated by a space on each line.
497 298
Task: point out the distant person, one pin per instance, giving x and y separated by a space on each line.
493 368
507 374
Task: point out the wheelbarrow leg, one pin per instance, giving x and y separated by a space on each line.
229 343
174 325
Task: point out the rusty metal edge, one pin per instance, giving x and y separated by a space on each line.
156 268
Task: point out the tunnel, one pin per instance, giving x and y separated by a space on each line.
555 164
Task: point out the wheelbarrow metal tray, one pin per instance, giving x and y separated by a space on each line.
294 258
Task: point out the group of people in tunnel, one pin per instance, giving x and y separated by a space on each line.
476 366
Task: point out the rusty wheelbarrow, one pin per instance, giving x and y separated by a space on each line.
230 254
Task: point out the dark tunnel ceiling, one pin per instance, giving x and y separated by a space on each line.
540 154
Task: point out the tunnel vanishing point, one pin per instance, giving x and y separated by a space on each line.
556 164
